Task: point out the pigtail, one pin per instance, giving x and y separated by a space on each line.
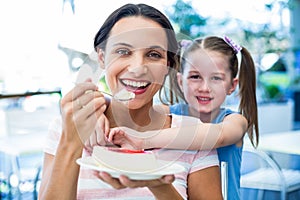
247 93
168 93
183 45
175 95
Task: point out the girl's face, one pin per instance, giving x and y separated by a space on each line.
135 58
206 81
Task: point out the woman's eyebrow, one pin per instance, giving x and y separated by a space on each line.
122 44
150 47
157 47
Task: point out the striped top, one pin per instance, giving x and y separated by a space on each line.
90 187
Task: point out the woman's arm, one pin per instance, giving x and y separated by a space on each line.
205 184
80 112
60 173
190 134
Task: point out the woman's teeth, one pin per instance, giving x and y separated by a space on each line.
135 83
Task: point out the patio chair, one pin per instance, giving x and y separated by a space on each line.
22 182
261 172
224 179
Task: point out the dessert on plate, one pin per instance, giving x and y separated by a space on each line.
125 159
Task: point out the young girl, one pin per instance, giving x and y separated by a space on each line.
135 45
210 70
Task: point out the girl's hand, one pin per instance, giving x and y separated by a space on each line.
81 108
126 138
98 136
125 182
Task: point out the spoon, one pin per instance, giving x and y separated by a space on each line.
122 95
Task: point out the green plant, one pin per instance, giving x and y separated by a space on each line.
273 93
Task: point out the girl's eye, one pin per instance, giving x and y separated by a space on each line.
123 51
194 77
216 78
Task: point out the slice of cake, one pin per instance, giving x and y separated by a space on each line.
125 159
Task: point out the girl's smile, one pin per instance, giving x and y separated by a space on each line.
206 81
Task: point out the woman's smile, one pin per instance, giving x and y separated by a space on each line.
135 86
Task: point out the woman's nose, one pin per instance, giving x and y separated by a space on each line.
138 66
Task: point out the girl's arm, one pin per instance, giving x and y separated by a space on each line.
201 136
190 134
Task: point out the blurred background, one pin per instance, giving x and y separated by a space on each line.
45 44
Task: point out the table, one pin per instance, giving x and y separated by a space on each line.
282 142
18 95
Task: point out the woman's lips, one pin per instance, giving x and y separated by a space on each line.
137 87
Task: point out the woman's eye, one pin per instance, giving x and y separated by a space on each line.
154 55
123 51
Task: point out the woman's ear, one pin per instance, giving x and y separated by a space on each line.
234 84
100 53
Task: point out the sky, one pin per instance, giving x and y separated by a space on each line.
31 30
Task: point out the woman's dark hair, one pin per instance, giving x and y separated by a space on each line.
246 73
149 12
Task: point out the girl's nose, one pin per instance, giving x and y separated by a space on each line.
137 66
204 86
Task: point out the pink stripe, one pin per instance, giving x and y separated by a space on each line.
112 193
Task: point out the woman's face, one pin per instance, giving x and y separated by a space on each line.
135 58
206 80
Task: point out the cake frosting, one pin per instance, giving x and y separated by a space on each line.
124 95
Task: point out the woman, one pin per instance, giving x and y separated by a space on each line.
135 45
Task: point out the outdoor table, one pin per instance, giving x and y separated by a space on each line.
282 142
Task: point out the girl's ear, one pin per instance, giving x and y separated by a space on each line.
179 80
234 84
100 53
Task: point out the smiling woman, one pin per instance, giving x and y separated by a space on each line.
137 47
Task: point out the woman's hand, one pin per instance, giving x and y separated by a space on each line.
126 138
98 136
81 108
124 182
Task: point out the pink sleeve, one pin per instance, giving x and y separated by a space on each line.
53 136
205 159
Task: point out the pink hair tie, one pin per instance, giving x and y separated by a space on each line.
237 48
185 43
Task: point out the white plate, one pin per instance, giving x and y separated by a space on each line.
167 168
